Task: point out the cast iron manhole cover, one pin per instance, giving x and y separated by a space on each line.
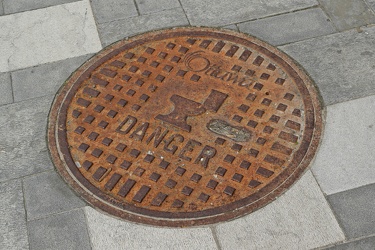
185 126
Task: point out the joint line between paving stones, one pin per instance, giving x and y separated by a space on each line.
216 238
87 226
24 207
25 176
344 242
327 14
11 86
182 7
369 7
57 213
274 15
330 207
136 7
97 30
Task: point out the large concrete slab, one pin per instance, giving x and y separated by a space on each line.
299 219
5 89
346 157
47 35
116 30
220 13
43 79
341 64
23 149
347 14
13 232
47 193
150 6
14 6
109 233
59 232
291 27
110 10
355 210
361 244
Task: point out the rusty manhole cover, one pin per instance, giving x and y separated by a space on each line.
184 127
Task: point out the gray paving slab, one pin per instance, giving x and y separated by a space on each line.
346 157
1 8
109 233
347 14
362 244
150 6
354 210
13 231
61 231
47 193
291 27
220 13
371 4
14 6
23 149
116 30
5 89
110 10
299 219
43 79
342 64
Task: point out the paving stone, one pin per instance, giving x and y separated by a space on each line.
46 35
23 149
14 6
220 13
342 64
47 193
1 8
299 219
355 210
110 10
346 157
43 79
150 6
13 232
362 244
61 231
109 233
371 4
116 30
5 88
347 14
288 28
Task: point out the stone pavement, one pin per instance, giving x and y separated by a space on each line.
330 207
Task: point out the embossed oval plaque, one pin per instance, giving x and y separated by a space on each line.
184 127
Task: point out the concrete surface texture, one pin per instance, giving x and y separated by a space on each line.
330 207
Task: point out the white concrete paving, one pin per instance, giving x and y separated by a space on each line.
346 157
299 219
47 35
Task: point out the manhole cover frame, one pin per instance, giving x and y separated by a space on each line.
267 194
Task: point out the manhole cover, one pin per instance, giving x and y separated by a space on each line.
184 127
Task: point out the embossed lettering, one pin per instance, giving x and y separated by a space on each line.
140 132
188 148
157 136
126 125
173 148
206 154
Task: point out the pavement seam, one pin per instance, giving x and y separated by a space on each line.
87 226
332 210
273 15
327 14
344 242
96 27
24 207
183 9
56 213
136 7
369 7
26 176
216 238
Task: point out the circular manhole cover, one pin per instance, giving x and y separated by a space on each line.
185 126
